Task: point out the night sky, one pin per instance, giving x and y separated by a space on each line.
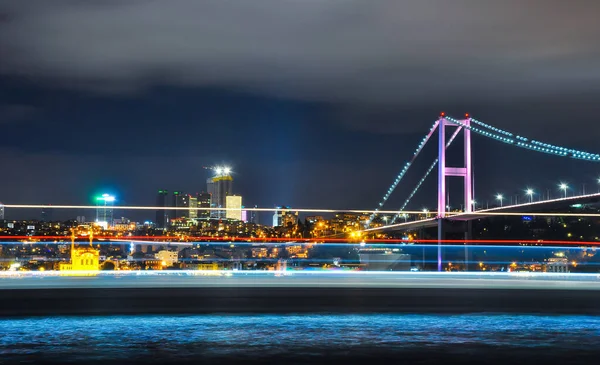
312 103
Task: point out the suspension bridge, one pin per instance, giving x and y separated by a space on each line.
445 138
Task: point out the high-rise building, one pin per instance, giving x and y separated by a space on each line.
1 211
219 187
204 201
180 200
193 204
233 202
162 215
46 215
104 210
253 216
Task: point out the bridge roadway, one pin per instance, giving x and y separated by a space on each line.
536 207
24 294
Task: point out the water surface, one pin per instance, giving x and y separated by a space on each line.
301 339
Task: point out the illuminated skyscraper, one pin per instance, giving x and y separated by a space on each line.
193 203
234 202
204 201
1 211
219 187
104 210
162 215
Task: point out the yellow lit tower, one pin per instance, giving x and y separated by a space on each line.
219 187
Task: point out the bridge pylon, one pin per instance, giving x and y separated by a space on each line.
444 171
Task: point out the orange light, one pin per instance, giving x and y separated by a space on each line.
466 115
442 114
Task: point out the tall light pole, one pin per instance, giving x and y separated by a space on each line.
500 197
530 193
564 188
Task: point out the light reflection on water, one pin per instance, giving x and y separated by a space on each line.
181 338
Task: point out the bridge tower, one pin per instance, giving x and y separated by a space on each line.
465 172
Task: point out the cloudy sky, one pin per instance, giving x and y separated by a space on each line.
313 103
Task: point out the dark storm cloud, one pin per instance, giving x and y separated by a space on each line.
378 52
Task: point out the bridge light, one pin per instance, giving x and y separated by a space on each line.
500 197
530 192
564 187
466 115
442 114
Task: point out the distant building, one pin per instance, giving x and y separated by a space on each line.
1 211
556 264
219 187
314 219
80 219
180 200
284 217
193 204
162 215
253 216
123 224
289 219
167 258
104 210
203 201
234 202
46 214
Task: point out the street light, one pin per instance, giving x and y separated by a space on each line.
500 197
530 193
564 188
